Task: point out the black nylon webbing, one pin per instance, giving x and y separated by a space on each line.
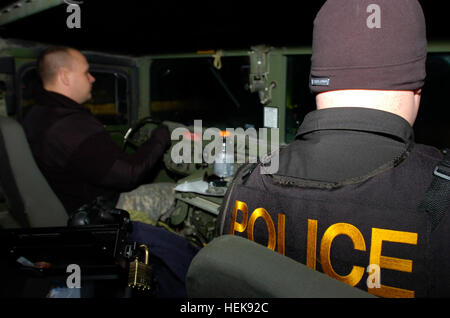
437 198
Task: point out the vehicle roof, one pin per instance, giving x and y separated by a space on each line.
159 27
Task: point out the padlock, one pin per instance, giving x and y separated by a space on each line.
140 274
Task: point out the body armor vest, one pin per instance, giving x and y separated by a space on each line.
366 232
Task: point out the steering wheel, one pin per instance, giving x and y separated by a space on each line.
139 133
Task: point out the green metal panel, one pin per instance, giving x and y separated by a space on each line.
439 46
23 61
22 9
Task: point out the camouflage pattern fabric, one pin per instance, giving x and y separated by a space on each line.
149 201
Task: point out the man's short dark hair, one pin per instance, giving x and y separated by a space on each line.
51 59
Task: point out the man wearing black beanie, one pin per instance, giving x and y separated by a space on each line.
347 198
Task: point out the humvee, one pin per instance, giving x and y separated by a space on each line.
253 88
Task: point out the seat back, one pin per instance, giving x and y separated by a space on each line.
30 200
232 266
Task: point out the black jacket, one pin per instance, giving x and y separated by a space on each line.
77 155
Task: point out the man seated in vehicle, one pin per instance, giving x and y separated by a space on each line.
72 148
81 162
346 198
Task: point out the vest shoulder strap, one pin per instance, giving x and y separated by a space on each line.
437 198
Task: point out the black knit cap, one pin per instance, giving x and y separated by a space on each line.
369 44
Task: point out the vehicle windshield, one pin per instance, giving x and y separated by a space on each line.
188 89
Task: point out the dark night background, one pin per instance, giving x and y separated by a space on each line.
145 27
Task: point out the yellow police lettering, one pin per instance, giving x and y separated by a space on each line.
325 250
403 265
262 213
311 244
236 226
276 237
281 231
249 224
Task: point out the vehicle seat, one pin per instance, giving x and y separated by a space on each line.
30 200
232 266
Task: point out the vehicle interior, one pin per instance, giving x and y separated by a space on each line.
208 72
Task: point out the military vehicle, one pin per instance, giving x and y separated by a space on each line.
256 87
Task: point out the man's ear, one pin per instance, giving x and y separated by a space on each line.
63 75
